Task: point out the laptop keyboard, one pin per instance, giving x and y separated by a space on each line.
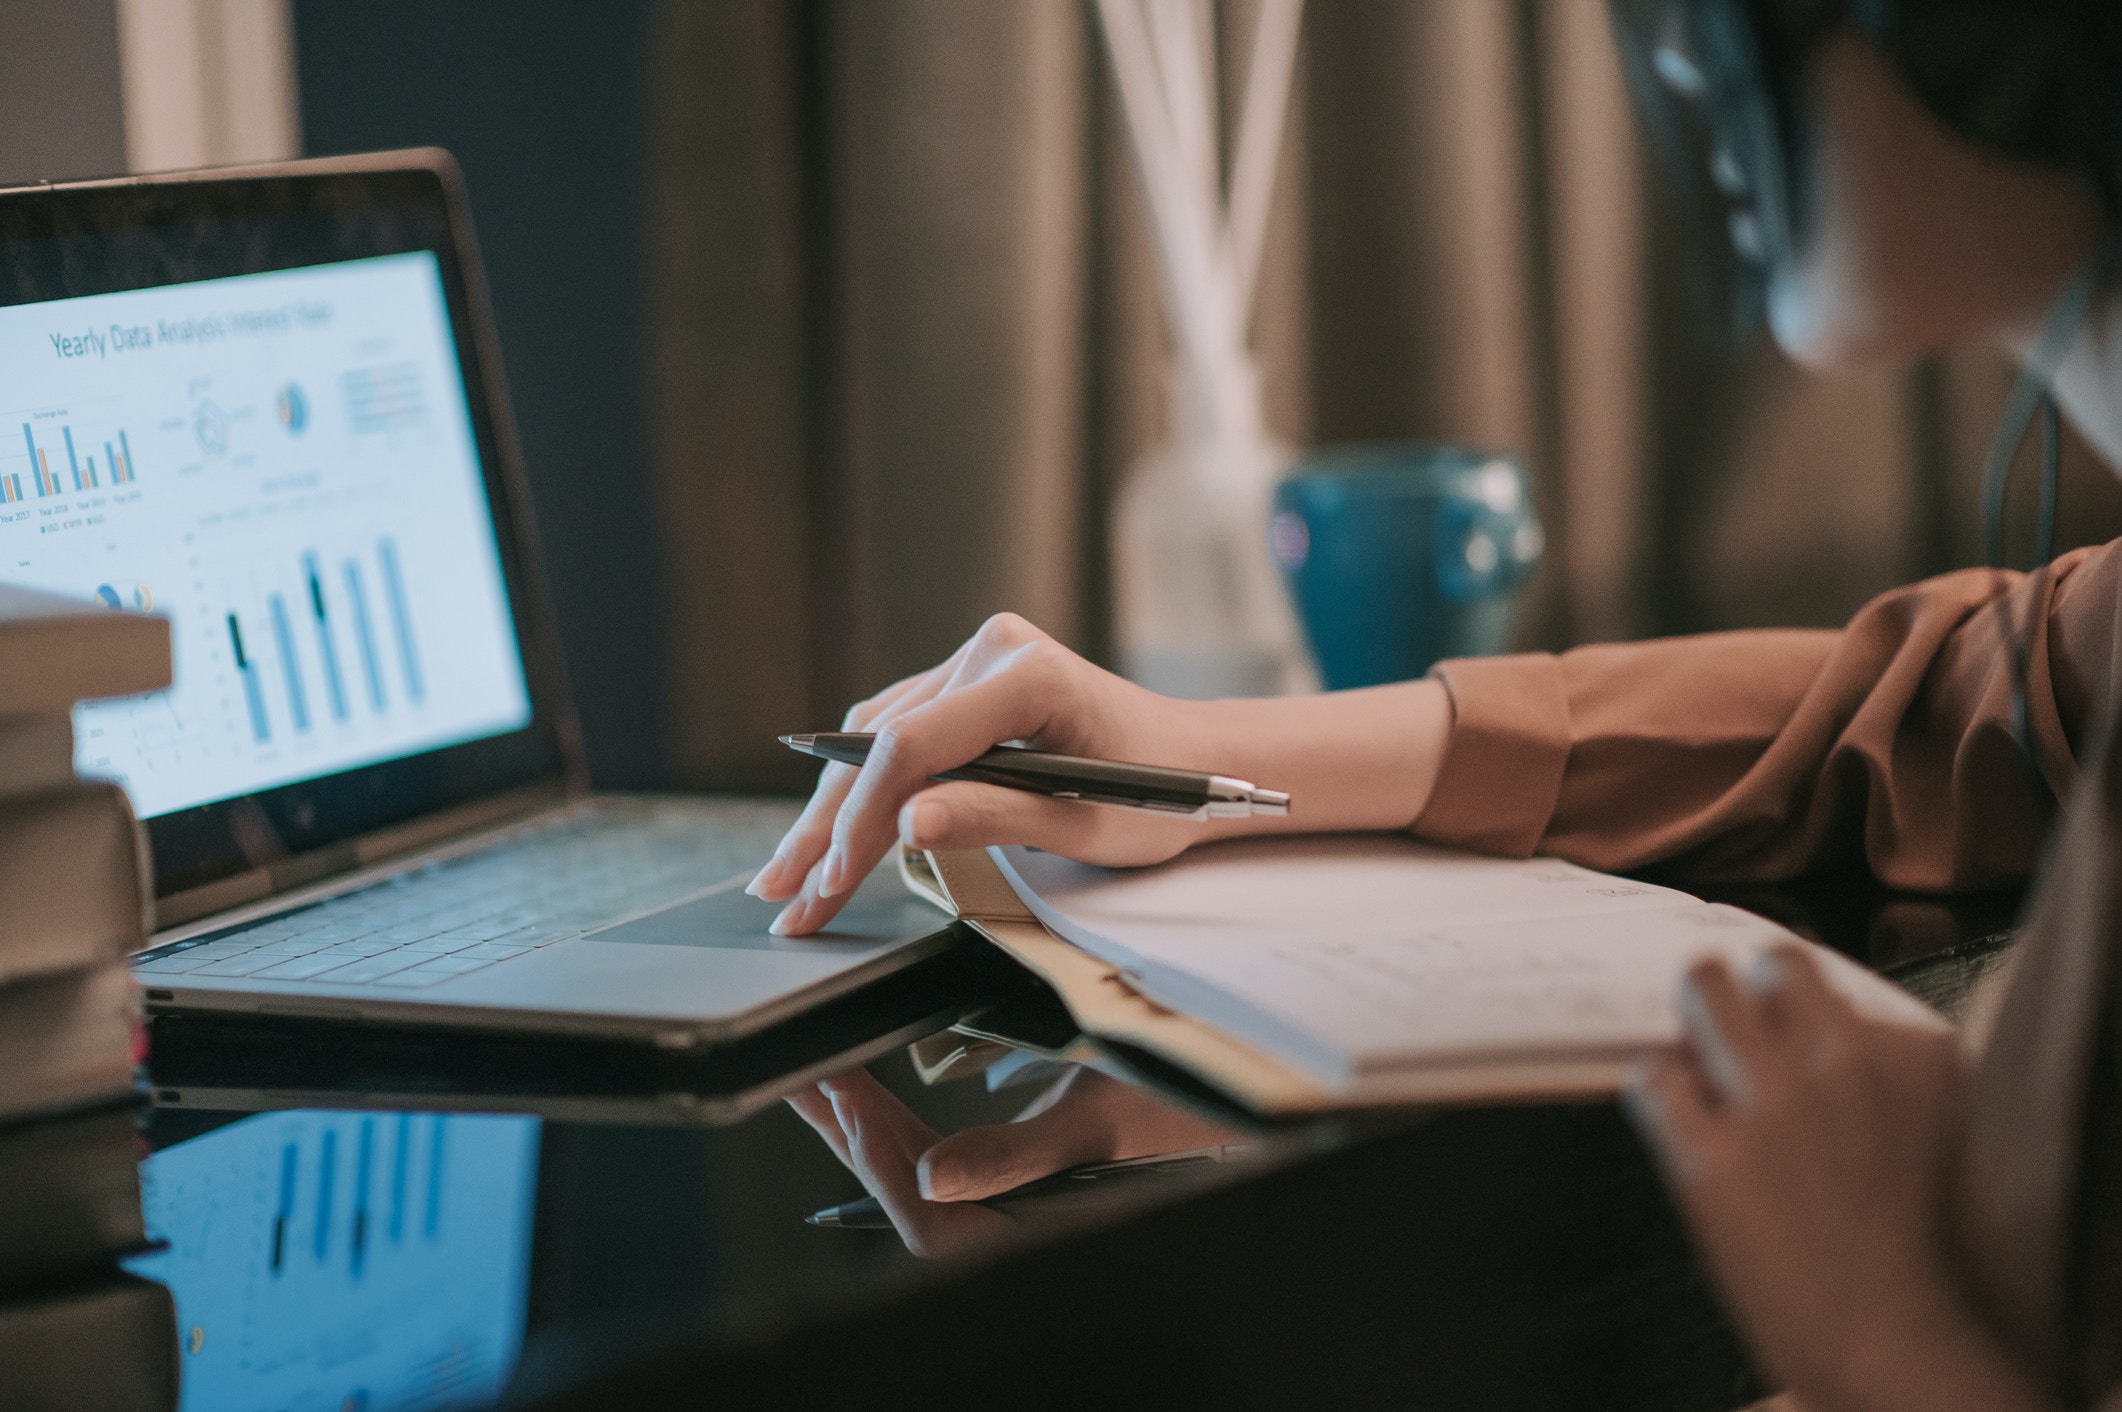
450 918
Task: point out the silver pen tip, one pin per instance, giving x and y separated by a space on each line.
1270 801
799 742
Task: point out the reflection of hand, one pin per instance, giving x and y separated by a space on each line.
1809 1147
1354 760
928 1187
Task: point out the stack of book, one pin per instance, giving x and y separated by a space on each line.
76 895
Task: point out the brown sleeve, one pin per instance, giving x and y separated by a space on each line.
1758 755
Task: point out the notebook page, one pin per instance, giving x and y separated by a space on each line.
1345 886
1365 955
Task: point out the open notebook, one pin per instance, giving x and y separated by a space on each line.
1344 971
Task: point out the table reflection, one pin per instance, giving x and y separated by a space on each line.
363 1261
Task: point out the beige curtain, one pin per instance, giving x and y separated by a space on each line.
906 341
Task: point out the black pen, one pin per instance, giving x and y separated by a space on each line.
1183 793
867 1214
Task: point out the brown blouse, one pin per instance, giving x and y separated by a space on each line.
1761 755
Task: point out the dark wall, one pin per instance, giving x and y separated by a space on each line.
542 101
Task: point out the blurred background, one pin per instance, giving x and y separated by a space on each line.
832 325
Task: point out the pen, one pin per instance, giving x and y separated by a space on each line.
1182 793
867 1214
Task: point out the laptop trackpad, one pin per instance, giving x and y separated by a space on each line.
881 911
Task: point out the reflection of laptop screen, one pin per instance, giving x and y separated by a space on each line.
284 463
364 1260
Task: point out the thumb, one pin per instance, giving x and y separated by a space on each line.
961 814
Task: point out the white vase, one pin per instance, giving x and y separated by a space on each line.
1200 609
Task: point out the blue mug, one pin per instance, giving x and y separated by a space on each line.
1399 556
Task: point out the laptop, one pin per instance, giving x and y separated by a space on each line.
266 403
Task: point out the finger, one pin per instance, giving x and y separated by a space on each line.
1669 1101
807 838
806 912
962 814
1055 1134
1724 1027
815 1108
946 732
884 1139
1800 1003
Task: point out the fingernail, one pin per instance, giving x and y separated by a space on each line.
1768 974
829 872
922 822
780 925
760 879
931 1189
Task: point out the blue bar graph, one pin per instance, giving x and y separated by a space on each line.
73 462
327 1166
284 638
127 448
260 730
364 634
433 1224
287 1205
333 686
401 1156
401 618
361 1164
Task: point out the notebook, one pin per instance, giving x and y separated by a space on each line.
1310 973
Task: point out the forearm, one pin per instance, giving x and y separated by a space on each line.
1350 760
1762 755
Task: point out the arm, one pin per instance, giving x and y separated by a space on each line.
1763 754
1739 755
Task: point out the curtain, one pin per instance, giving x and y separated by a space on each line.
905 342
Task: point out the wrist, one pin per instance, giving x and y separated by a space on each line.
1351 761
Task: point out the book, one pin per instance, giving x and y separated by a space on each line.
69 1041
73 1196
1310 973
108 1343
36 753
55 651
76 883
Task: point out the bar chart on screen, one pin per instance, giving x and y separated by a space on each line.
57 460
299 488
313 651
319 1257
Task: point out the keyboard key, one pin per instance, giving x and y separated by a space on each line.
301 968
451 965
175 965
439 945
293 948
492 951
368 969
352 949
219 950
432 972
239 965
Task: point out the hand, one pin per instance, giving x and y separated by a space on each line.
1353 760
1808 1146
930 1187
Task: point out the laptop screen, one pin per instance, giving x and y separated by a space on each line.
282 463
260 405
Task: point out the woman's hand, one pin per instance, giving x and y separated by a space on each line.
1809 1147
1354 760
930 1187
